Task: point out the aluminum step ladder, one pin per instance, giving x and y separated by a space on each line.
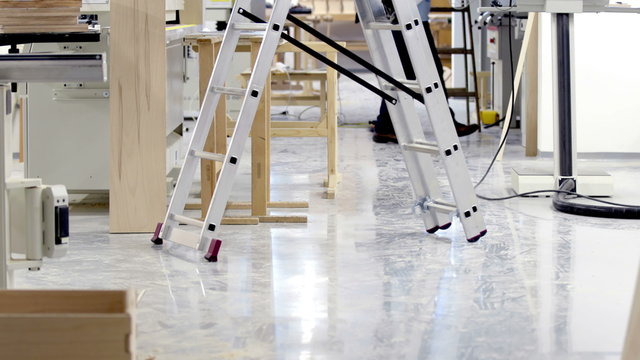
436 212
378 19
238 26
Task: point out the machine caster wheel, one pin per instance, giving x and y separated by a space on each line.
214 249
156 240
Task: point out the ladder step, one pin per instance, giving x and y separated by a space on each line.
229 91
422 147
187 220
250 26
440 206
384 26
208 156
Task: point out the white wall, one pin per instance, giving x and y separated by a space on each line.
607 63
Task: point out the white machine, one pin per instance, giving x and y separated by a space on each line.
34 218
565 176
78 111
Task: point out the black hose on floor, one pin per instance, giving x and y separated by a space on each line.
561 203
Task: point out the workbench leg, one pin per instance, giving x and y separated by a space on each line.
217 139
332 128
260 140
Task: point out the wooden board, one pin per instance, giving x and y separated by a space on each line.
138 193
42 20
40 4
13 29
40 12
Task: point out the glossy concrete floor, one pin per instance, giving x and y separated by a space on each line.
362 280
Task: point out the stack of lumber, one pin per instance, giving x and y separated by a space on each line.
40 16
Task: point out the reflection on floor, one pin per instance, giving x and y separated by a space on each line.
362 280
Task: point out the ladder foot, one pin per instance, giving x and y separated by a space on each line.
445 226
433 230
156 235
214 249
477 237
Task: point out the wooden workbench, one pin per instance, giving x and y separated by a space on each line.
263 129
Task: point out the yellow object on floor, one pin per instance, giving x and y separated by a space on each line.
489 117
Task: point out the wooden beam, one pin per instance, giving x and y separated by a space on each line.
531 83
632 343
137 116
271 205
518 76
260 146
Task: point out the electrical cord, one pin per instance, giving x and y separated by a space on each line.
565 192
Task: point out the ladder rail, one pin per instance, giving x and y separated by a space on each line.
440 118
421 170
205 119
255 86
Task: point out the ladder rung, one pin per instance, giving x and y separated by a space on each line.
441 206
208 156
229 91
384 26
250 26
422 147
413 85
187 220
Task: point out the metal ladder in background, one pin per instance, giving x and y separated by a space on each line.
377 25
436 213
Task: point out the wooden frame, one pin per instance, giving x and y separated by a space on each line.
67 324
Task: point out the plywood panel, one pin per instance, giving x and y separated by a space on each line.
137 116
